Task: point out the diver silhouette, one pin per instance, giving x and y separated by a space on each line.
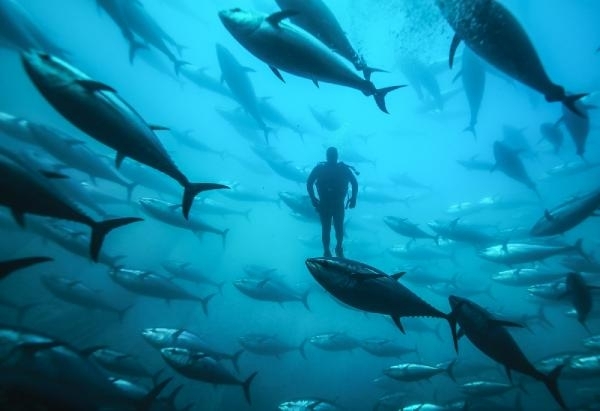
332 178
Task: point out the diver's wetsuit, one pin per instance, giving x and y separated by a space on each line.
332 185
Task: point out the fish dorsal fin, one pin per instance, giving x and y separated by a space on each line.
505 323
263 282
276 18
548 215
397 276
92 86
178 333
454 222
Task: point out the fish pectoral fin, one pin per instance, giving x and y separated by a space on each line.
453 46
92 86
119 159
398 324
276 18
548 215
155 127
263 283
277 73
506 323
397 276
248 69
73 283
19 217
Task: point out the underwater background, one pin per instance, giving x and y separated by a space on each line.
409 168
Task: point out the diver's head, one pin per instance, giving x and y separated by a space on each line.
332 155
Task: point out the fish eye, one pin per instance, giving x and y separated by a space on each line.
45 56
236 10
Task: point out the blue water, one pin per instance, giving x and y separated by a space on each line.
415 139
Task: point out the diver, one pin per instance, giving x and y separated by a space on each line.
332 179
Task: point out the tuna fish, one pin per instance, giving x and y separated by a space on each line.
473 81
490 337
284 47
404 227
185 271
270 345
567 215
580 295
336 341
96 109
25 192
168 213
153 285
553 135
409 372
487 27
199 366
521 253
75 292
180 338
508 162
270 290
236 77
369 289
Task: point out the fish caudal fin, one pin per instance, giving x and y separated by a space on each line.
191 190
8 267
551 382
569 102
246 387
379 95
204 301
101 229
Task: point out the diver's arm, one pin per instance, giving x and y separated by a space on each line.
354 185
310 184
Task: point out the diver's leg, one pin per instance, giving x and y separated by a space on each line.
325 215
338 225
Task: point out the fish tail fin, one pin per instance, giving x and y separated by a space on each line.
379 95
191 190
235 360
121 313
551 382
178 64
368 71
224 236
101 229
246 386
301 348
304 299
569 102
8 267
146 403
204 301
471 129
